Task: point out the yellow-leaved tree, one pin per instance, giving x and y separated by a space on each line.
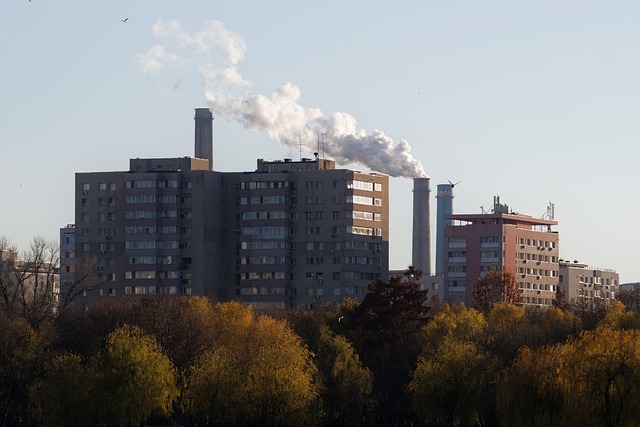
135 379
258 372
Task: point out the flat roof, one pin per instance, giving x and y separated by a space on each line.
506 218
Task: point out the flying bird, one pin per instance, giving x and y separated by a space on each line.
123 20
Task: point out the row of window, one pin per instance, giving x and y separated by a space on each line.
101 186
534 242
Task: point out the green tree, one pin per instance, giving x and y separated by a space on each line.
258 372
449 386
136 380
496 286
347 383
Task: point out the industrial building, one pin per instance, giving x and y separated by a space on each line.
287 234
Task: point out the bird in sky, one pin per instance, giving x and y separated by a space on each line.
123 20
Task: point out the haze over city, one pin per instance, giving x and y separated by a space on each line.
535 103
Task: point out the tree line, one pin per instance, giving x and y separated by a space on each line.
387 360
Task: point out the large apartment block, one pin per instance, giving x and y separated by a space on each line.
288 234
526 245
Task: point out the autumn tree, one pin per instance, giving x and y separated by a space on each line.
531 392
604 378
457 322
24 354
631 299
450 385
135 380
347 384
258 372
496 286
508 329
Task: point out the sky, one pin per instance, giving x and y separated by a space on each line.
535 102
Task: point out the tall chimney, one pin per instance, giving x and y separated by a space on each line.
445 208
204 135
421 248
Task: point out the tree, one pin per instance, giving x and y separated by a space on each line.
531 392
347 383
496 286
603 378
385 330
258 372
508 329
457 322
65 395
631 299
29 286
136 380
449 386
24 354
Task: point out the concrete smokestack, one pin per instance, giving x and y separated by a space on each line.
445 208
421 248
204 135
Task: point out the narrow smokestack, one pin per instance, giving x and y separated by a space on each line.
421 248
204 135
445 208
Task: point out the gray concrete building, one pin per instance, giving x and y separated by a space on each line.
288 234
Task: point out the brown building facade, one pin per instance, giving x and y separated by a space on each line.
525 245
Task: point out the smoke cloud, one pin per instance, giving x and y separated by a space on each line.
280 115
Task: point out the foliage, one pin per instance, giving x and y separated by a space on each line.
24 353
604 378
258 372
508 330
631 299
65 394
385 329
449 386
617 317
136 380
496 286
347 383
531 392
457 322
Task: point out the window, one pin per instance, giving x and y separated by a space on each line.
102 186
86 187
337 185
336 214
112 186
85 218
336 292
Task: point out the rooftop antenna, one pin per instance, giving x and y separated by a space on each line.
550 213
300 138
322 136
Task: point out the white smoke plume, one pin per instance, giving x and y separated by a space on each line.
280 116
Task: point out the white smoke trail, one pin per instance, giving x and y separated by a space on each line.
281 116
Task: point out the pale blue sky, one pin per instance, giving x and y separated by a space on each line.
531 101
